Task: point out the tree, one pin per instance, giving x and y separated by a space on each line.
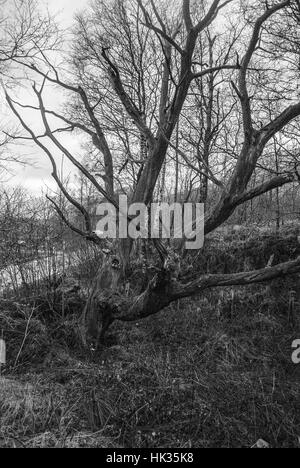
24 34
243 69
24 222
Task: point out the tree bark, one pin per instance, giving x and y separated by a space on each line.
107 304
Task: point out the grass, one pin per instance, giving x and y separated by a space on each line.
209 372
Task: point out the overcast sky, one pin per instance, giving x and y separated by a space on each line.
37 177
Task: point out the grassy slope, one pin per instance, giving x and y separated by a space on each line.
211 372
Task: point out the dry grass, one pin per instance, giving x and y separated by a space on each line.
36 413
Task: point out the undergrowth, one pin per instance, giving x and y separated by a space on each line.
209 372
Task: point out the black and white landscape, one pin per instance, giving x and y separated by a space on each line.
111 336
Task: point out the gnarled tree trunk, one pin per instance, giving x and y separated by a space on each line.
107 302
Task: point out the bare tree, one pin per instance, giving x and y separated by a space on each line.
24 31
23 226
243 68
24 34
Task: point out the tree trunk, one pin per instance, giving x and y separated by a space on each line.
96 317
108 303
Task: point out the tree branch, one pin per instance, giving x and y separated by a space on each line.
237 279
100 141
186 11
266 187
162 32
211 15
243 90
86 235
64 150
129 105
54 167
162 290
209 172
215 69
281 121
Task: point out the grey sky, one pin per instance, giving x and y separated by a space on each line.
37 177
